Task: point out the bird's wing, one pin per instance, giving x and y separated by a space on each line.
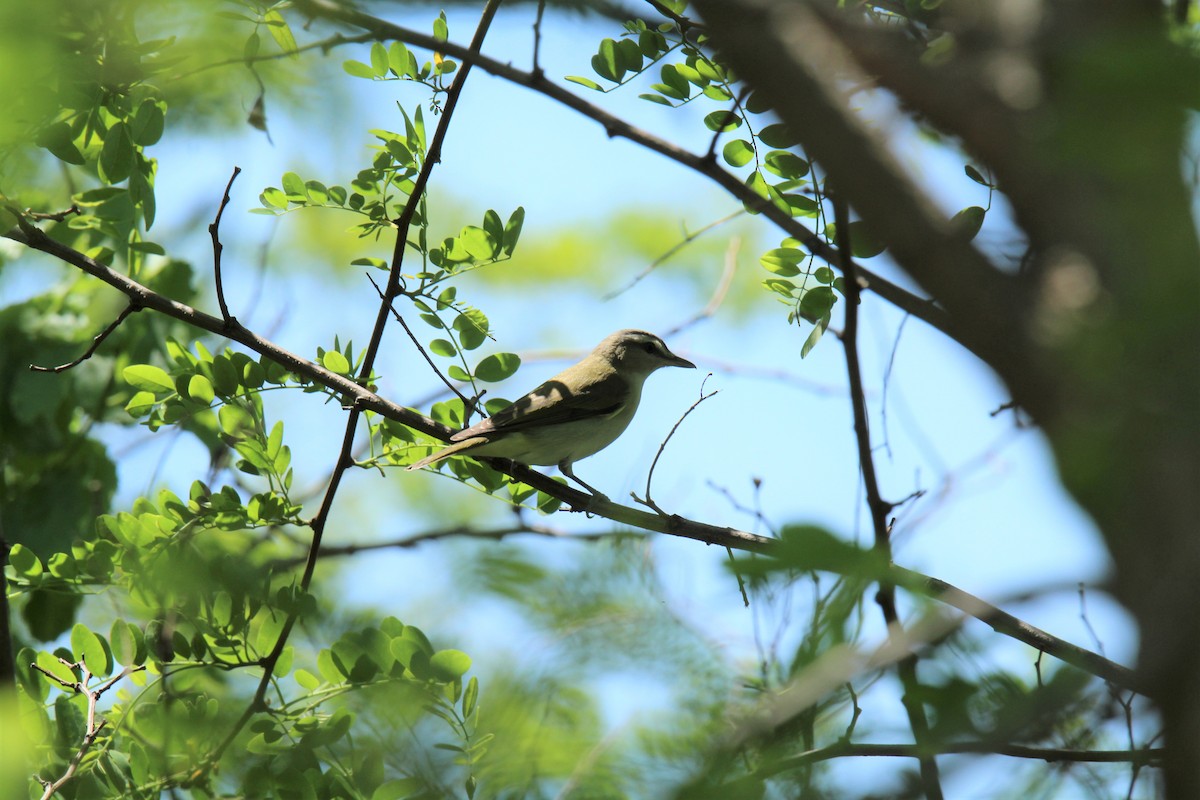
552 404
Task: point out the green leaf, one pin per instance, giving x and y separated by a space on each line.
128 643
449 665
140 404
778 136
89 648
116 156
398 58
588 82
25 562
607 63
334 361
497 367
722 121
148 378
472 326
718 93
967 222
280 32
293 184
785 164
738 153
782 261
673 78
200 389
358 69
657 98
443 347
817 302
478 243
975 175
379 59
273 198
629 55
59 140
815 336
307 680
148 123
512 230
470 697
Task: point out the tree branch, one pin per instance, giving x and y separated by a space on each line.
214 232
96 342
614 126
879 509
673 525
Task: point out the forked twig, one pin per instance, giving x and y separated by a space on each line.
213 231
96 342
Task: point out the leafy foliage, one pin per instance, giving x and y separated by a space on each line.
186 620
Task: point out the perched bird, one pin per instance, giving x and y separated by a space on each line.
575 414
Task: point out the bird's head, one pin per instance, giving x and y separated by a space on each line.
635 352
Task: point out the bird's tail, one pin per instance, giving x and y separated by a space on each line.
453 449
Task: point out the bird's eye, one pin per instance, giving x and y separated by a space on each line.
649 347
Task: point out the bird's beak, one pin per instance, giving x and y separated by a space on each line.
677 361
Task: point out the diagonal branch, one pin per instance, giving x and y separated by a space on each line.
345 455
785 51
921 308
673 525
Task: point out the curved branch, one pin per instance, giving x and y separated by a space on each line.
921 308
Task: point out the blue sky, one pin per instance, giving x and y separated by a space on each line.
994 522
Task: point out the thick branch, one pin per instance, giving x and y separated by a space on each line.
784 51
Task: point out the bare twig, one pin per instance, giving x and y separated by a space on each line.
467 403
214 232
537 36
880 509
672 250
50 788
718 295
650 475
54 216
96 342
1053 755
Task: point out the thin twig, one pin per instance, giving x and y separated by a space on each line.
96 342
467 403
537 36
718 295
672 250
50 788
55 216
214 232
880 509
650 475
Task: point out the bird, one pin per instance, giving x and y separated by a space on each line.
575 414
